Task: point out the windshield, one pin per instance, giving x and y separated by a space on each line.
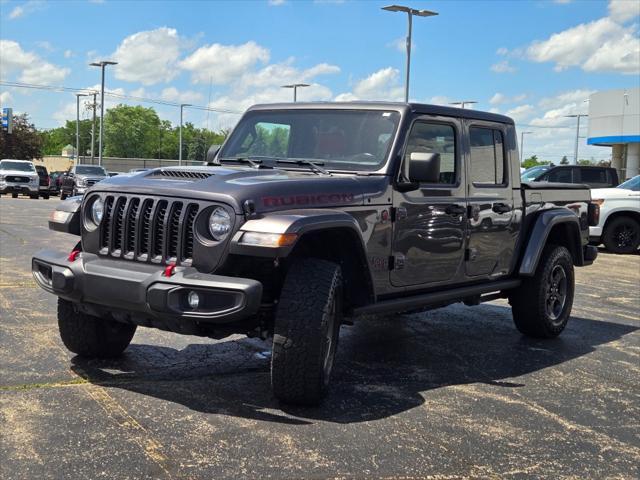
533 173
89 170
631 184
337 139
19 166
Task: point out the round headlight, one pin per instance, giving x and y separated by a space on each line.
219 223
97 209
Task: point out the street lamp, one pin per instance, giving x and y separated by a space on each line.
410 13
102 64
463 103
182 105
578 116
78 95
295 87
522 134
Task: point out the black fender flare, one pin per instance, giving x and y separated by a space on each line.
539 233
66 217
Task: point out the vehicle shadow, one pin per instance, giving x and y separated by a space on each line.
385 365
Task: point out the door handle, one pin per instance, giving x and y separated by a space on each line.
455 210
501 208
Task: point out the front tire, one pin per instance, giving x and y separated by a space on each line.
63 196
90 336
542 304
622 235
306 331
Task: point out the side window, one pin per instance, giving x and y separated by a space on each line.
594 176
435 138
487 156
561 175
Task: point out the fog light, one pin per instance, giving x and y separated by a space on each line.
194 300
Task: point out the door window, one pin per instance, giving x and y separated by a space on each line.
594 176
435 138
487 156
560 175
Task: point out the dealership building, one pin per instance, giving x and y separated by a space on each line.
614 121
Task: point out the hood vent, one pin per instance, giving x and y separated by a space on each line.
181 174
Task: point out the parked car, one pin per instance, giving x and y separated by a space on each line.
44 178
361 208
79 178
619 225
594 177
54 183
19 177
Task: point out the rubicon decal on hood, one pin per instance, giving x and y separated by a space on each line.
315 199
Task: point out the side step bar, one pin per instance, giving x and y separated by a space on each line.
435 298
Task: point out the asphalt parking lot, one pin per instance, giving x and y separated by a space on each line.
452 393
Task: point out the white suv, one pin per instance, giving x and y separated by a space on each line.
619 225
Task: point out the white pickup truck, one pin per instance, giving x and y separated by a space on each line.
619 225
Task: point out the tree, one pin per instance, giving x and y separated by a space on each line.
132 132
56 139
24 143
533 161
564 161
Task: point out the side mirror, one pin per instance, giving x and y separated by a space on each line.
424 167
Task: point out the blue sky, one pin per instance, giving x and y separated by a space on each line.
533 60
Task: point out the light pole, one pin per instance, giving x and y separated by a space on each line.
410 13
463 103
295 87
522 134
93 129
578 116
182 105
102 64
78 95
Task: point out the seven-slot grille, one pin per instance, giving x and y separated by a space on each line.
148 229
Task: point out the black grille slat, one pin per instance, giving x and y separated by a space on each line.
147 229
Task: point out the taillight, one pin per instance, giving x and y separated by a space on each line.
593 214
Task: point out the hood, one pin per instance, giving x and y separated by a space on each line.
269 189
613 193
18 173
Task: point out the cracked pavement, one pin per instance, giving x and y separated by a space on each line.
451 393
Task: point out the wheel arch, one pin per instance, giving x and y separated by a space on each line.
620 213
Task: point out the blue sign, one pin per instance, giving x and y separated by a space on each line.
7 119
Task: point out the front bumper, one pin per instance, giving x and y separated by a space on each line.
25 189
142 291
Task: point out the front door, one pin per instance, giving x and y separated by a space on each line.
430 222
492 232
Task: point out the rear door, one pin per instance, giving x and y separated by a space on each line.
430 222
492 233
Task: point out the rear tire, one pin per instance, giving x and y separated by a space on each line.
542 304
306 331
14 195
622 235
46 197
63 196
90 336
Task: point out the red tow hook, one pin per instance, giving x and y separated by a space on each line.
73 255
169 270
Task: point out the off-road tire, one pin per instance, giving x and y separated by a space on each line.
90 336
622 235
63 196
306 331
14 195
46 196
537 310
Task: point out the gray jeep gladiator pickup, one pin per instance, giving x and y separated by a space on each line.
310 216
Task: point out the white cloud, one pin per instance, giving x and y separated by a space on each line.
25 9
400 44
68 53
573 97
172 94
624 10
381 85
5 98
440 100
278 74
521 112
277 3
500 98
562 1
599 46
29 67
148 57
45 46
502 67
222 64
502 51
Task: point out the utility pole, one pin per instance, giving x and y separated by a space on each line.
522 134
102 64
577 116
295 87
180 145
78 95
94 105
410 13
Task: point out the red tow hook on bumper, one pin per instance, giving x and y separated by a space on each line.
73 255
169 270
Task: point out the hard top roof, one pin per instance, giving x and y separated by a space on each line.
424 108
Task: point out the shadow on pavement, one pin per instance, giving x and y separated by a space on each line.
383 366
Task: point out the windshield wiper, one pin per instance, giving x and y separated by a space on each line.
253 161
305 161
